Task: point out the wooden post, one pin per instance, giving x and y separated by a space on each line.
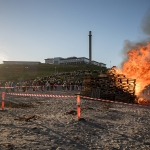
3 96
78 107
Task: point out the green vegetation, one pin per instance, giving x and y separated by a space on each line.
24 72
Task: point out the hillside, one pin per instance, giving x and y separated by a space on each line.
24 72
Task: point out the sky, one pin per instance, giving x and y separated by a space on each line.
34 30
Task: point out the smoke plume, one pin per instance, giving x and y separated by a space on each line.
128 45
145 25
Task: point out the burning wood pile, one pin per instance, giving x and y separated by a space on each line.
111 86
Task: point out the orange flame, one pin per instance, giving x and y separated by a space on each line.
138 67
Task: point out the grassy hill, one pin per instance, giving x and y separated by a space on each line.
24 72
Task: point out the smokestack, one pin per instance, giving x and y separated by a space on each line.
90 46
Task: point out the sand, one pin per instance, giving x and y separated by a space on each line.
38 123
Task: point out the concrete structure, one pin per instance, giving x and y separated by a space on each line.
49 61
90 46
73 60
79 60
102 65
98 64
57 60
21 62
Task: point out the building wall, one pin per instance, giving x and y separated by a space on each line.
76 60
57 60
21 63
102 65
49 60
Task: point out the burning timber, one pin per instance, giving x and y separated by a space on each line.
110 86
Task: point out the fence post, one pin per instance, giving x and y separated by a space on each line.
78 106
3 96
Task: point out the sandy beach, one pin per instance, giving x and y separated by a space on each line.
39 123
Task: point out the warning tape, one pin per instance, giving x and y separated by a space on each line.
20 86
42 95
6 87
116 102
84 97
35 86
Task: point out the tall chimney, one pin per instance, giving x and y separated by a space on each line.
90 46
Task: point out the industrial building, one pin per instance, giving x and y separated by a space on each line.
65 61
73 60
76 60
49 61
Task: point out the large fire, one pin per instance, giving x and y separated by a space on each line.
138 67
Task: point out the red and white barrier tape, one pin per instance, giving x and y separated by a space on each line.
19 87
35 86
84 97
42 95
109 101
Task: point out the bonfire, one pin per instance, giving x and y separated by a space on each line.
137 67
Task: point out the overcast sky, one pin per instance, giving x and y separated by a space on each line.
33 30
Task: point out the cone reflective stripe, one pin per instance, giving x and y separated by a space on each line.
78 106
3 96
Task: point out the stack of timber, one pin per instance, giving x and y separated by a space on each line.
110 86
